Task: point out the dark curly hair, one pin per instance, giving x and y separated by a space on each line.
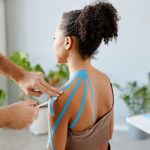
90 26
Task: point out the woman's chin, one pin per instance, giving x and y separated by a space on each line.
60 61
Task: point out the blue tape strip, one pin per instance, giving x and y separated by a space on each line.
50 140
63 112
63 88
93 98
81 74
81 106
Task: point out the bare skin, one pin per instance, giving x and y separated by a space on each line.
22 114
66 51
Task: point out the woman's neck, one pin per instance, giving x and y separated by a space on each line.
77 63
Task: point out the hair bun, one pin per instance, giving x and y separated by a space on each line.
98 20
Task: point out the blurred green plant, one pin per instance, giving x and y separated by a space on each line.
62 73
2 97
137 98
22 60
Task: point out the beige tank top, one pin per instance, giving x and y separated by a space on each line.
93 137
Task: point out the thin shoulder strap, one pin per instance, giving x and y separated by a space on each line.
111 85
112 93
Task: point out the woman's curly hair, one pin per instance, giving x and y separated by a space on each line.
90 26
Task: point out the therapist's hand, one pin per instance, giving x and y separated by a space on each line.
33 84
20 115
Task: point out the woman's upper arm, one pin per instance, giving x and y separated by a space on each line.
58 125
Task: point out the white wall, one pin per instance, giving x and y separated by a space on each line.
31 25
129 58
2 28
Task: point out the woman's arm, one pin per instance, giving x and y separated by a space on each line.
60 135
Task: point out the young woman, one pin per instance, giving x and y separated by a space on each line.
82 117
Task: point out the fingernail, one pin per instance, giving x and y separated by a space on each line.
61 92
55 98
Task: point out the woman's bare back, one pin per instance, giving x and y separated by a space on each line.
103 100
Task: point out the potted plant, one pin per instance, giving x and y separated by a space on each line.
58 77
55 77
137 99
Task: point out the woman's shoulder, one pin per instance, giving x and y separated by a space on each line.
62 102
103 76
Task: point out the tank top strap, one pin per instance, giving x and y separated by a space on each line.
112 94
111 85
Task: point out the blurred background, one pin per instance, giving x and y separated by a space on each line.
26 36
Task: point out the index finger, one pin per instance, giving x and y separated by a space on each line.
51 88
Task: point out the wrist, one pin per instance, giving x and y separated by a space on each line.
19 74
10 69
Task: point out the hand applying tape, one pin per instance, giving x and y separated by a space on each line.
44 104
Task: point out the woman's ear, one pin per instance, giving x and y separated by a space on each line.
68 43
